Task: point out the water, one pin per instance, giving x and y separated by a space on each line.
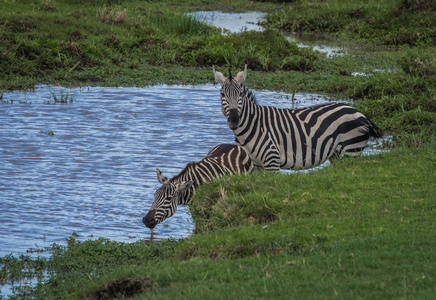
317 42
238 22
89 166
232 22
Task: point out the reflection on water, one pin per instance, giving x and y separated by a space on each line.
89 166
232 22
317 42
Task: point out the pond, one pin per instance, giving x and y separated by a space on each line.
89 166
232 22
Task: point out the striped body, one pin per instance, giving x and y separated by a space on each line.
221 160
302 138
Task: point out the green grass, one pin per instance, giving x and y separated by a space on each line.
389 22
86 42
336 232
362 227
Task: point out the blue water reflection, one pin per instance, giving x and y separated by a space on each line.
89 166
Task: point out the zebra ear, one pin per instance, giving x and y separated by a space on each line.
161 177
240 78
184 185
219 77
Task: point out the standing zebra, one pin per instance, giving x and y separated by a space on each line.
221 160
291 138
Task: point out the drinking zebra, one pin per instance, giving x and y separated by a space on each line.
221 160
291 138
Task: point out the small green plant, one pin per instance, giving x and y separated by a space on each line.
63 97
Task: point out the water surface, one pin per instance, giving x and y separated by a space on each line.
232 22
238 22
89 166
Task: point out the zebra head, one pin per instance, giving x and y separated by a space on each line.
232 92
166 199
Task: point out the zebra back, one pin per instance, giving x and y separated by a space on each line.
221 160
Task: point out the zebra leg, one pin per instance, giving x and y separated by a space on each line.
272 160
336 153
273 167
342 151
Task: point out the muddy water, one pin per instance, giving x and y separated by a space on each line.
89 166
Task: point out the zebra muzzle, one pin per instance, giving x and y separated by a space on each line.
149 220
233 118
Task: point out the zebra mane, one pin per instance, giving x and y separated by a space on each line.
249 94
230 75
190 165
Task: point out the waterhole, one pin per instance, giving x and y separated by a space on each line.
88 166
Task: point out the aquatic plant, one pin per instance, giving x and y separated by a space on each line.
64 97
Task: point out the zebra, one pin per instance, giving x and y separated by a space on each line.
221 160
302 138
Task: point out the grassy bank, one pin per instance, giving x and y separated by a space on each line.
360 228
387 22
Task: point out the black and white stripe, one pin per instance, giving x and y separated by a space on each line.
302 138
221 160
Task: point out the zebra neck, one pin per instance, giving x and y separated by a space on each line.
188 174
249 102
248 109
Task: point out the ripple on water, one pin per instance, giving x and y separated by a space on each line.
96 174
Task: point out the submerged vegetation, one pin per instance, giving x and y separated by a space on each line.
358 228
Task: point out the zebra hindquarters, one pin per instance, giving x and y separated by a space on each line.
353 138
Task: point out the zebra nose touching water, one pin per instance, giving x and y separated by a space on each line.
303 138
221 160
